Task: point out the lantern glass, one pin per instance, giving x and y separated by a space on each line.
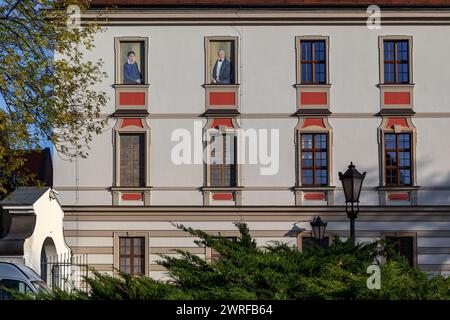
352 181
318 228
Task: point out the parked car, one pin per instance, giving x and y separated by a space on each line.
21 278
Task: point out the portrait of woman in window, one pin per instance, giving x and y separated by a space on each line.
132 70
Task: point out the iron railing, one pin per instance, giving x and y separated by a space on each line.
66 272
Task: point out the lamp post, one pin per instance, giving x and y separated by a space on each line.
318 228
352 181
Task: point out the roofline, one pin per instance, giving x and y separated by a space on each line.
267 6
246 209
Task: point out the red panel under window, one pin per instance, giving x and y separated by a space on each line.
223 196
131 122
397 121
314 196
397 98
222 122
222 98
313 98
313 122
132 98
132 196
398 196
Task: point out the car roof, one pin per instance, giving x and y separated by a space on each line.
22 272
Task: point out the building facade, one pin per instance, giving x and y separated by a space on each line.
277 97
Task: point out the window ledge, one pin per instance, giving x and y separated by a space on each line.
394 85
312 188
312 85
139 86
229 189
211 85
119 188
398 188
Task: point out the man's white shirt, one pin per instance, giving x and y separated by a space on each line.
219 65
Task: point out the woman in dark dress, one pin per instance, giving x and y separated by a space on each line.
131 70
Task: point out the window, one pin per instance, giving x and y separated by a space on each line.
131 60
404 245
309 243
221 60
313 62
132 160
398 159
132 255
306 241
11 284
222 168
396 57
314 159
215 255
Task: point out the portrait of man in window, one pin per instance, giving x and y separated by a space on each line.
221 62
132 62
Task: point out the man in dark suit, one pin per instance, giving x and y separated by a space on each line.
222 71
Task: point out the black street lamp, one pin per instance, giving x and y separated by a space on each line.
352 181
318 228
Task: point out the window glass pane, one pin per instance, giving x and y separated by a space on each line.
389 72
396 61
320 73
398 159
216 147
306 141
321 177
306 72
319 50
222 169
307 177
389 50
132 160
391 158
307 159
314 158
391 176
404 141
306 51
403 50
229 152
309 242
390 141
320 141
313 61
403 73
321 159
405 159
216 176
405 177
404 246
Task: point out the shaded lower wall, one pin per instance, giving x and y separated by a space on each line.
94 231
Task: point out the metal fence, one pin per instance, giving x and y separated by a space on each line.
65 271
